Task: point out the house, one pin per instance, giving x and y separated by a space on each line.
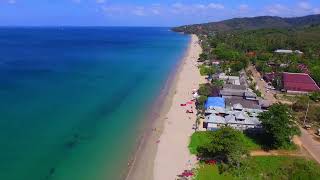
251 54
215 102
303 68
238 94
238 118
269 77
216 62
229 79
298 83
286 51
215 110
231 90
283 51
248 95
249 104
234 87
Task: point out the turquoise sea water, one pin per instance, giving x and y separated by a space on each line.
72 99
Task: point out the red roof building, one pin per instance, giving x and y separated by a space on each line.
299 83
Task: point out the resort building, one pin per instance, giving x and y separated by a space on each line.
237 91
229 79
237 117
298 83
215 102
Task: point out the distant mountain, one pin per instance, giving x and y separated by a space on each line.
261 22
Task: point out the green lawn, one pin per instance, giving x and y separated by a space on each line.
197 139
277 167
210 172
268 167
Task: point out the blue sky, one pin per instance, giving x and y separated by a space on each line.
144 12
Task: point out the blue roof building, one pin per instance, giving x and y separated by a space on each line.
215 102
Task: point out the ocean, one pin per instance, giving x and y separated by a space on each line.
73 99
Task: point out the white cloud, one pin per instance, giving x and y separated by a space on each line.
277 9
316 11
100 1
200 6
11 1
215 6
304 5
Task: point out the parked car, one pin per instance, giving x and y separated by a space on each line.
307 126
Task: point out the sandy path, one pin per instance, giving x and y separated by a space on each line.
172 155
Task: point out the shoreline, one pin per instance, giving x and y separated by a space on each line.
145 162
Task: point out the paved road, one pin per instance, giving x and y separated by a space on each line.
311 145
268 95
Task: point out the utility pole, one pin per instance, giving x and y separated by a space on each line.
305 116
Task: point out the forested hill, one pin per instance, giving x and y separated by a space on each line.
261 22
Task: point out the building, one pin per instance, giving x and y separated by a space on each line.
249 104
286 51
269 77
298 83
283 51
215 102
229 79
237 117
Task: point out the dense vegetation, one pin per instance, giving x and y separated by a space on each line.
307 109
261 22
238 49
270 167
238 42
279 126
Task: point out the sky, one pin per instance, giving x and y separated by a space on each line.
144 12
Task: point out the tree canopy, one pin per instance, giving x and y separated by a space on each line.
227 144
279 126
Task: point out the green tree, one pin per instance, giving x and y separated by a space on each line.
200 102
217 83
301 104
205 89
279 126
227 144
207 70
315 96
203 57
314 114
315 73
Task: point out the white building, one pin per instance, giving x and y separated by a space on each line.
235 80
238 118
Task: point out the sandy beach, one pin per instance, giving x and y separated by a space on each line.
163 153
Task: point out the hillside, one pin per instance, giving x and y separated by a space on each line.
261 22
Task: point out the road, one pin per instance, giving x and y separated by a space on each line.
268 95
306 139
310 144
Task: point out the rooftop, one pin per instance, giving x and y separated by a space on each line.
215 102
234 87
245 103
299 82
